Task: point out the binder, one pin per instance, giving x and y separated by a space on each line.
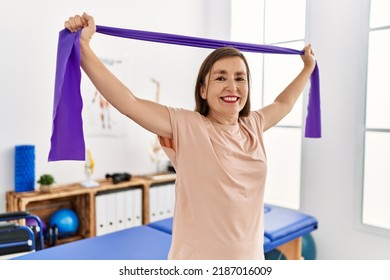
153 204
111 220
171 199
120 210
100 213
117 210
161 201
166 199
129 208
137 207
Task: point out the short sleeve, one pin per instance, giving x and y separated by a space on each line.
185 124
255 120
169 145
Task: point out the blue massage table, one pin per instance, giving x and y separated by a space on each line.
136 243
283 230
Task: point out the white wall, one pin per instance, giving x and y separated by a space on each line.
331 165
29 44
331 177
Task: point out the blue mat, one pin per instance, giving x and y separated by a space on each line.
137 243
281 225
152 241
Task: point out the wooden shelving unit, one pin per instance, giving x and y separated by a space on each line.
81 200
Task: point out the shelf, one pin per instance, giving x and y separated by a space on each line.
82 200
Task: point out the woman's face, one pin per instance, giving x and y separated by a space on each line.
226 88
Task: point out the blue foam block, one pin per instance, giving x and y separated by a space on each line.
24 168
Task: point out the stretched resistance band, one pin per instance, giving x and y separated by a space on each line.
67 141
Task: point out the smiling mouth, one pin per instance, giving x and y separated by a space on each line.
230 99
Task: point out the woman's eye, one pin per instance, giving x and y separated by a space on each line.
220 78
240 79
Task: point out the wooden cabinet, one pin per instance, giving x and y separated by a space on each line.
82 200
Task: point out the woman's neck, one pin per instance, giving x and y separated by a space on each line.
226 120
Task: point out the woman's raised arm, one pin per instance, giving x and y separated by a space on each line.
148 114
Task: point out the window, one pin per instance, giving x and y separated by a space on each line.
376 183
282 23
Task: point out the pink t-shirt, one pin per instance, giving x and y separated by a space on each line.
221 171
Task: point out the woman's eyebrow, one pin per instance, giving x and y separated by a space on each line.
216 72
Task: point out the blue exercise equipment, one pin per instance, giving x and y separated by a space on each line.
65 221
274 254
309 250
24 168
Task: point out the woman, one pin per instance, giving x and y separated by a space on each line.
217 151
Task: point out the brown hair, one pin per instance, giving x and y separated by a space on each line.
201 104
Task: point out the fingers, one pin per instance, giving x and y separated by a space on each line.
308 50
308 56
77 22
74 23
87 20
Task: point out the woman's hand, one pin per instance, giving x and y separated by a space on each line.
85 22
308 57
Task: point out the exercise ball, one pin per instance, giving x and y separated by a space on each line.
274 255
309 251
66 221
31 222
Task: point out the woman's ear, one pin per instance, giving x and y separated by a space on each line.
203 92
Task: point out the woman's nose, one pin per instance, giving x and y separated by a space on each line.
231 85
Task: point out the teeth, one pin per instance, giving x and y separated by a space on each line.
230 98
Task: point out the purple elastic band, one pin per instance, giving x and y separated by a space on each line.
67 141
